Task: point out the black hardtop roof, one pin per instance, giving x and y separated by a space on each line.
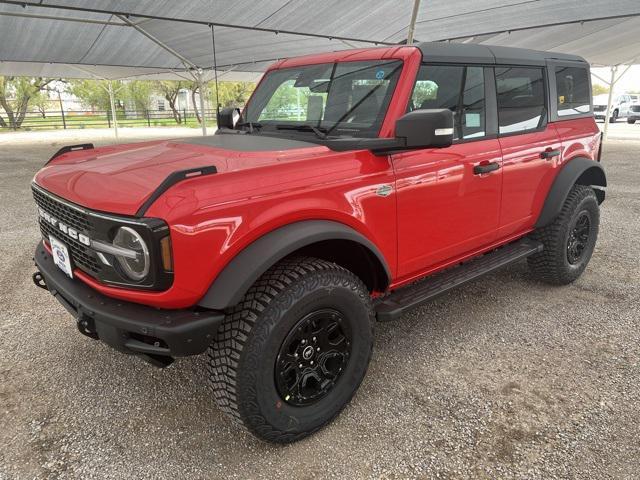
492 54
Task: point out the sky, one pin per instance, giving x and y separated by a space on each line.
629 82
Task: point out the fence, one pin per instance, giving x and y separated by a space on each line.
53 120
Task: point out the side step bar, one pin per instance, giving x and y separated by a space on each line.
395 304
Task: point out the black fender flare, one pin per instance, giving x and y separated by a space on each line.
228 288
579 170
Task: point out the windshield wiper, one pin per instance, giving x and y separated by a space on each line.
319 131
251 125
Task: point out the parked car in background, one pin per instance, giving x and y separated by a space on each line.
620 106
634 109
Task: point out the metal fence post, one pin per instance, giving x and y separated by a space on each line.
148 119
109 119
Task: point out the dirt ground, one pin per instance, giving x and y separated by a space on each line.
503 378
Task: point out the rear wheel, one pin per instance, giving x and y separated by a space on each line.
568 241
631 120
291 355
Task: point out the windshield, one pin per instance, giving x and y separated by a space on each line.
347 98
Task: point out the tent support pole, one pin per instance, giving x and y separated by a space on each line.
203 122
113 108
412 24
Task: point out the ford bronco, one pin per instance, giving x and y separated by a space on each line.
353 186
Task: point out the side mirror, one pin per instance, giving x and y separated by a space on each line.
426 128
228 118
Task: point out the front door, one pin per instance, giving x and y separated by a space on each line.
448 199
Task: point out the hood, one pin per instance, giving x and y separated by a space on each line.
118 179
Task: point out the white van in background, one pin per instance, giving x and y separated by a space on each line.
620 106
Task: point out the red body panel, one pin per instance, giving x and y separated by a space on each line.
438 212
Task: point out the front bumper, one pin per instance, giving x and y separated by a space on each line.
129 327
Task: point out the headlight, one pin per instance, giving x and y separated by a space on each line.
134 263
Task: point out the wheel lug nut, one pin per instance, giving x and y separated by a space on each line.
300 365
304 341
314 339
295 355
318 349
311 362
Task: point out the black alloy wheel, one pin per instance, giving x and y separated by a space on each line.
313 357
578 238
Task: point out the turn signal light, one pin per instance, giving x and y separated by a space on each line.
165 251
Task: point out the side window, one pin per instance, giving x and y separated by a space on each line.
572 85
458 88
521 105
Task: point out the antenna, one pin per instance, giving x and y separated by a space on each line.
215 73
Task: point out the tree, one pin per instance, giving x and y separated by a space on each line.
42 102
139 93
598 89
170 89
15 95
95 93
232 94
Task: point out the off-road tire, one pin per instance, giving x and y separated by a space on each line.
241 360
631 120
552 265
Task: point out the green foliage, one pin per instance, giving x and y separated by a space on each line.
16 93
95 94
598 89
139 93
231 94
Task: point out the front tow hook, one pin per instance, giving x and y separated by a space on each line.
39 281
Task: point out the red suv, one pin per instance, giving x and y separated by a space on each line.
354 185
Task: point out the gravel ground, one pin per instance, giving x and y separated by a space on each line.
505 377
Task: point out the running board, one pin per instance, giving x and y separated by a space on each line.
395 304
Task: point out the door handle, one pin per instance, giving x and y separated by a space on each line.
549 154
485 168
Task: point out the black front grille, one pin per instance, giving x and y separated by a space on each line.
83 257
635 108
599 108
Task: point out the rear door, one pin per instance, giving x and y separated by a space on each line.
446 206
530 146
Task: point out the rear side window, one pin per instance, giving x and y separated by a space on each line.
521 105
458 88
572 85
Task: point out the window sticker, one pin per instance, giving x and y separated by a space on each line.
472 120
561 99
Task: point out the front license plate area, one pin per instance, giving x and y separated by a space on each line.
61 257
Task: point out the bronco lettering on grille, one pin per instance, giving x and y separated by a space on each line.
67 230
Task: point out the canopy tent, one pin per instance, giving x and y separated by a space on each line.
171 39
152 38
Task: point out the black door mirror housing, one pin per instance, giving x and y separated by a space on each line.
426 128
228 118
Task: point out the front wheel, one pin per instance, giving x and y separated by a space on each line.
293 352
568 241
614 117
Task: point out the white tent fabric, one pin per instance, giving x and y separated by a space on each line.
165 38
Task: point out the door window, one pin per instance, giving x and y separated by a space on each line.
572 85
457 88
521 104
